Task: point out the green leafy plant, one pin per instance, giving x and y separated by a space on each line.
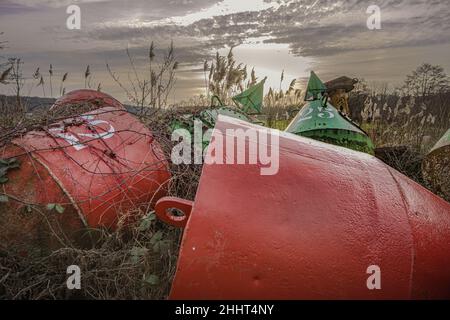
5 166
147 221
137 253
55 206
151 279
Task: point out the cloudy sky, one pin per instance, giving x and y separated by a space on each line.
328 36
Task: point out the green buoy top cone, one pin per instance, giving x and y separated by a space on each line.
249 102
208 118
252 98
319 120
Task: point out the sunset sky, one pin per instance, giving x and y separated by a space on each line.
327 36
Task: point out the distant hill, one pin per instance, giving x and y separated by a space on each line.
31 103
37 103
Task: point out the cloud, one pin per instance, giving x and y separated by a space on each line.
175 7
325 30
310 27
11 8
53 3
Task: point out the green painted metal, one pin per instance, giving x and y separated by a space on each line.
315 88
252 98
319 120
208 117
216 98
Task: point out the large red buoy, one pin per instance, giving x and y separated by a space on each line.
98 167
320 228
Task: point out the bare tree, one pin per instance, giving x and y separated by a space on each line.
5 74
361 87
5 67
50 72
426 80
2 43
17 78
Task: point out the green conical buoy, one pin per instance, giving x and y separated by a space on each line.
315 88
319 120
252 98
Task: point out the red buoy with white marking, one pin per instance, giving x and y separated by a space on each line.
95 170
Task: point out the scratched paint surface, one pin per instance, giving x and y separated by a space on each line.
99 165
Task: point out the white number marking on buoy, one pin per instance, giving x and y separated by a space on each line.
306 116
75 141
324 111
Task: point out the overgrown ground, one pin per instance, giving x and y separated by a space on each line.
404 128
134 262
138 261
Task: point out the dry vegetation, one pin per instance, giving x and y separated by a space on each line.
138 261
149 86
134 262
406 122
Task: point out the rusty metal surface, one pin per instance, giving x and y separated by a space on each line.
338 90
343 82
312 230
101 166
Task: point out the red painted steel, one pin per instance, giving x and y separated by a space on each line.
312 230
87 96
164 211
102 166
